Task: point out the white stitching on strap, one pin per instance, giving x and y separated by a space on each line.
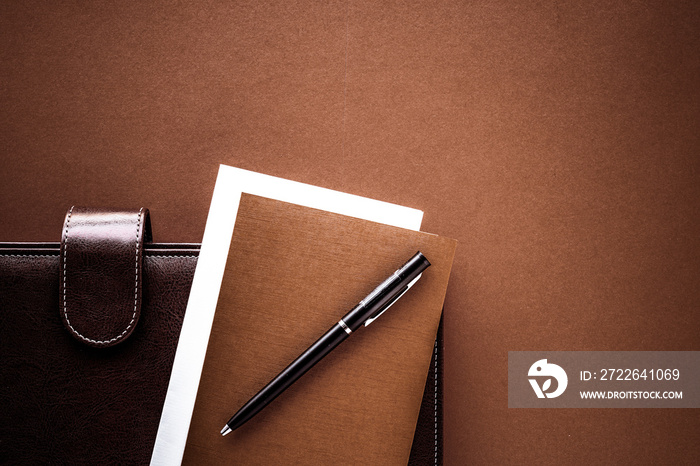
136 286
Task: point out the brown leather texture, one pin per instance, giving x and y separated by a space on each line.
556 141
65 402
101 273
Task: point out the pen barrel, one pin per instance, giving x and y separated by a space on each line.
324 345
375 302
384 294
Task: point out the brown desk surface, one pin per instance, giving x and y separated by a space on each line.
558 143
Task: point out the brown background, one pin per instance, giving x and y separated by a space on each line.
558 143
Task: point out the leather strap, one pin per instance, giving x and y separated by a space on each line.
101 273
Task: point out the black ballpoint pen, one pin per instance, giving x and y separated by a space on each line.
365 313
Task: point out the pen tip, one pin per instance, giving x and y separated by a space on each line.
225 430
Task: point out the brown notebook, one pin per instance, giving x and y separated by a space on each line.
293 272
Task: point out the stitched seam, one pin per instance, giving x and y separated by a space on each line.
435 396
136 286
136 273
28 255
57 255
167 257
65 257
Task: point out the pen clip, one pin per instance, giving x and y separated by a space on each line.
390 303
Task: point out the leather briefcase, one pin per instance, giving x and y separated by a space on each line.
88 332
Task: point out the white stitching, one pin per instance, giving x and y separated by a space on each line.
2 254
166 257
65 257
435 396
28 255
136 287
136 272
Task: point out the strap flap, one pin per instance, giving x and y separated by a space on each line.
101 273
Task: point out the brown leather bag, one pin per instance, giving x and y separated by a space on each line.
88 332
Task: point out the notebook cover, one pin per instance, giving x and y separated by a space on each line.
291 273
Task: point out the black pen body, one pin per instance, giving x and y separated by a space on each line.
324 345
374 304
386 293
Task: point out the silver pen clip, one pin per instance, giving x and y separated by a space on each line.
391 303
